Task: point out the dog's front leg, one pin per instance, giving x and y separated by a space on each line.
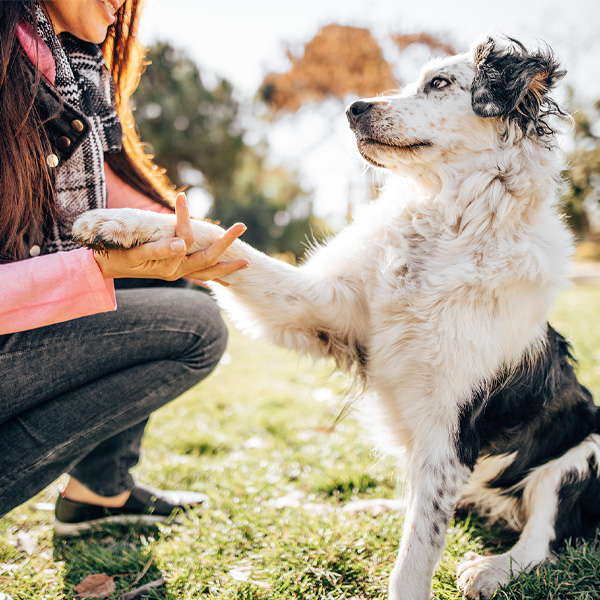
436 478
317 309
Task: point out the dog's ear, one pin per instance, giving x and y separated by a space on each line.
512 82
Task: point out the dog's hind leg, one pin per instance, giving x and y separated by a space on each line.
436 478
554 499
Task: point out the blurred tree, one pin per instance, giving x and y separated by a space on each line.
435 44
339 61
582 197
194 131
196 134
272 204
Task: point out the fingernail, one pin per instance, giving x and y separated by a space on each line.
183 199
177 246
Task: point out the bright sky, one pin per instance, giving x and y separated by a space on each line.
242 40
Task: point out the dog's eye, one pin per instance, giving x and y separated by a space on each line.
440 82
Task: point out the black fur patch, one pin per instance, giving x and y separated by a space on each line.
538 411
514 83
578 512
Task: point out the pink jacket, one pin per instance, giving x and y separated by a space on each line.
63 286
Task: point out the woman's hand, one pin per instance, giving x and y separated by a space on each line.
166 259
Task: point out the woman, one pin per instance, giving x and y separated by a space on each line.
78 379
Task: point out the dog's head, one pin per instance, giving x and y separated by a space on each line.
460 106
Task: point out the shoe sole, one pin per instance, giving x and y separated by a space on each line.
75 529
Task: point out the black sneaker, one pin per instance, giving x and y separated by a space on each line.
144 505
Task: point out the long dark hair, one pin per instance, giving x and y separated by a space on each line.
27 198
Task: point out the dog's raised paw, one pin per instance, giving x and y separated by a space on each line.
110 229
99 231
478 577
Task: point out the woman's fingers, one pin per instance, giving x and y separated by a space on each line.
212 254
156 259
183 227
161 250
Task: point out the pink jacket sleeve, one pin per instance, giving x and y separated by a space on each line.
51 289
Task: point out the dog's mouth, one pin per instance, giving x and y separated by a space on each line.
366 146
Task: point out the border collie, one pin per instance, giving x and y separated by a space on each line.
437 295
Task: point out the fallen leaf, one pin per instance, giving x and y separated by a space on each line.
98 585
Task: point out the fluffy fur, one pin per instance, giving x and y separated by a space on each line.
438 296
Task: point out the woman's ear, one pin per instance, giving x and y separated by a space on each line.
512 82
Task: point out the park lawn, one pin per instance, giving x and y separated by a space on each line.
259 437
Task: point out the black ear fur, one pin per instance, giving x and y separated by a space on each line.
514 83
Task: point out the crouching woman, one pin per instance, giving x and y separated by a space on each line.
82 366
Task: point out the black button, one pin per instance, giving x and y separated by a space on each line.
63 142
77 125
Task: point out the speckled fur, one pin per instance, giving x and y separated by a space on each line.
436 288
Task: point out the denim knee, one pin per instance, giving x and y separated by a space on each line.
210 335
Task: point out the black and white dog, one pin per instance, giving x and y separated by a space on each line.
438 296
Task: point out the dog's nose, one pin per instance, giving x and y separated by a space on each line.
356 110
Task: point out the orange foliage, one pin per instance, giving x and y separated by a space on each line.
339 61
404 40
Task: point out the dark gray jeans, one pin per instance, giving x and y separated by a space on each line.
75 396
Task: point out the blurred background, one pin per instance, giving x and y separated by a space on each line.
243 101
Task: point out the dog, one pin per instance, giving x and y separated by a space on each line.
437 296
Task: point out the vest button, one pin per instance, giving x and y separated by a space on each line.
63 142
35 251
77 125
52 161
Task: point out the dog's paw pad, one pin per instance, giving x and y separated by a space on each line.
478 577
99 230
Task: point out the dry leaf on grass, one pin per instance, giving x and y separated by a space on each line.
96 586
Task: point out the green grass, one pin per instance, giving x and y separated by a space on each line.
263 428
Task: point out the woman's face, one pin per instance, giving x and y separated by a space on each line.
87 20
